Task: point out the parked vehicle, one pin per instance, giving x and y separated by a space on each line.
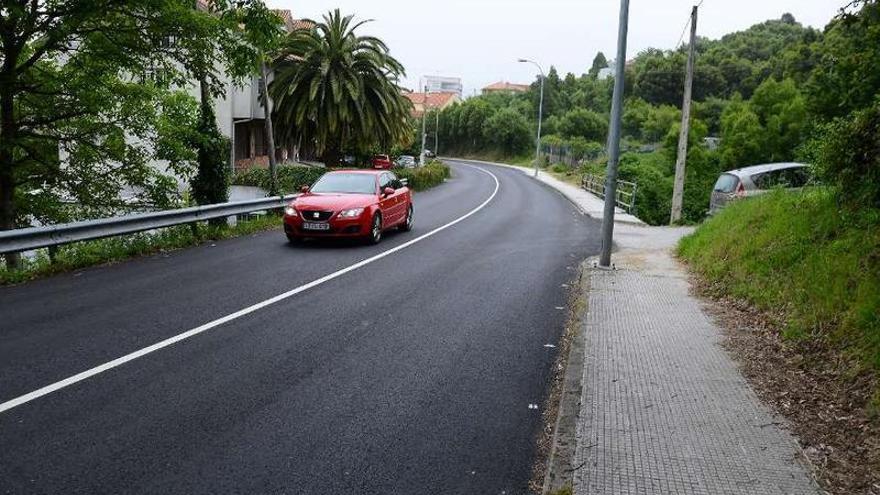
758 179
350 203
429 154
406 161
382 162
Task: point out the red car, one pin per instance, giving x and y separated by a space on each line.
350 203
382 162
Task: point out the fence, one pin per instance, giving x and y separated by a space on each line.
625 195
53 235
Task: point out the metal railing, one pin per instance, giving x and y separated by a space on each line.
625 197
53 235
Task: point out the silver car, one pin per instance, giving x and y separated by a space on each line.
758 179
406 161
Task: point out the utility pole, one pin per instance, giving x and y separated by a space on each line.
270 136
540 112
437 133
614 138
424 116
681 160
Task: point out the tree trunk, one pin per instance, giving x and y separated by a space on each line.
7 178
270 135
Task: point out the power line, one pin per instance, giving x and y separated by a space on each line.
683 30
686 24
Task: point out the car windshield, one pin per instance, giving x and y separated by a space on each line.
726 183
345 183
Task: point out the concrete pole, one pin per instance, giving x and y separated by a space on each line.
540 116
681 160
614 138
424 135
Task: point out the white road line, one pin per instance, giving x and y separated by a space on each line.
48 389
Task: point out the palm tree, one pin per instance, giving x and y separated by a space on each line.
338 90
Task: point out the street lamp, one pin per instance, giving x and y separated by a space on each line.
540 112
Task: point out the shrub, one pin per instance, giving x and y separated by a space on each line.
290 177
848 156
421 178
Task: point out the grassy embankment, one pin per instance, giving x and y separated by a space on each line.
806 263
290 179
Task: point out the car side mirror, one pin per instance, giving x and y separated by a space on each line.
304 189
388 191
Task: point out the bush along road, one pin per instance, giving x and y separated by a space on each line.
417 365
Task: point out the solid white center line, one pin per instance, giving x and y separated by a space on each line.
48 389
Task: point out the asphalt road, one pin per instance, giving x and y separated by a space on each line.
410 374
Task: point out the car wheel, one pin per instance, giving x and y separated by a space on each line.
407 224
375 229
292 239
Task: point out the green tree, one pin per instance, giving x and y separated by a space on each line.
599 63
80 83
847 75
338 89
211 182
782 112
508 131
847 154
583 123
742 136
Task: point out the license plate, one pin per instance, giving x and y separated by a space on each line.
316 226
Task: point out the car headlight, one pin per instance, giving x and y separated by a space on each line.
290 211
352 213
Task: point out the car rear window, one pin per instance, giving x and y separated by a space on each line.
726 183
786 177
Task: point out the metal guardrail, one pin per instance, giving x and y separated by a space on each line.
625 195
54 235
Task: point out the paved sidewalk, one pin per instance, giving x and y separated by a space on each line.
590 204
664 408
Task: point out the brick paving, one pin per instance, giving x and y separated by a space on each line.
664 408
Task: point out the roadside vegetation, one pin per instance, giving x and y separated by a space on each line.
291 178
421 178
89 253
760 95
811 265
90 97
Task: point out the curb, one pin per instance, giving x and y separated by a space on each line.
560 464
527 171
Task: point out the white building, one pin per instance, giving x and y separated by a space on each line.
441 84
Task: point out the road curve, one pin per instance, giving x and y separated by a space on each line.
412 373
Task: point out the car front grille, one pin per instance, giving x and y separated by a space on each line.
316 216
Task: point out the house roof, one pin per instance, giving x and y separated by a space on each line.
291 24
506 86
432 100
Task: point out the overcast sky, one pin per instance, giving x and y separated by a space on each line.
480 40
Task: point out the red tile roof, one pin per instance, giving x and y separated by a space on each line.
432 100
290 23
506 86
